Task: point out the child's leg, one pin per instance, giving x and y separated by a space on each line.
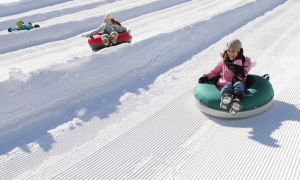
238 87
105 37
228 88
104 31
239 94
114 35
226 96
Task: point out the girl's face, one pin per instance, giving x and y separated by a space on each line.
107 21
232 54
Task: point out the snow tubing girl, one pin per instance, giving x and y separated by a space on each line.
111 32
258 97
95 41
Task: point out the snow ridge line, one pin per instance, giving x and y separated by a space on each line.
282 38
14 8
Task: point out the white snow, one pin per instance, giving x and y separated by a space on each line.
127 112
8 1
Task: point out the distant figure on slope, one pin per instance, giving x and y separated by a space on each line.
234 68
21 26
109 29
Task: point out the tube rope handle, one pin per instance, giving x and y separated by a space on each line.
266 76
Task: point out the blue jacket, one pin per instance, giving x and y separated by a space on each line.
25 27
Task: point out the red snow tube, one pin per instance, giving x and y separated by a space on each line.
95 42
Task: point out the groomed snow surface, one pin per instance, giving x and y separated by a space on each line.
128 112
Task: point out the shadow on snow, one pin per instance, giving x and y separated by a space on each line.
263 125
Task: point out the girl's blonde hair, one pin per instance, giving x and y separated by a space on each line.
116 22
225 55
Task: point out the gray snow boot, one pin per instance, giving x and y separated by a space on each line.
236 103
113 37
105 39
225 99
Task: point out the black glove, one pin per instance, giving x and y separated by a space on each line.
203 79
36 26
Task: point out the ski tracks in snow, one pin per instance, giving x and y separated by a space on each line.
153 131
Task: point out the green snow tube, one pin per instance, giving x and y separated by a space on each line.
258 97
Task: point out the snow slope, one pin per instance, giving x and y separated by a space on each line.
127 112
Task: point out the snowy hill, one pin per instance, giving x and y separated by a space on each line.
128 112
